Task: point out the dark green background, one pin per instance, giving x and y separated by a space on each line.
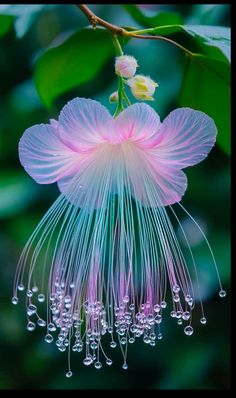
178 361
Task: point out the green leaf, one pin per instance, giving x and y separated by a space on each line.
5 24
24 14
161 18
206 80
78 60
206 87
214 37
213 41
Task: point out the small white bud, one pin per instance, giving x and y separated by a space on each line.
142 87
114 97
125 66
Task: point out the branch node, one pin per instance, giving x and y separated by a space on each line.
94 21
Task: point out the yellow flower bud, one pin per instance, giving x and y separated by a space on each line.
142 87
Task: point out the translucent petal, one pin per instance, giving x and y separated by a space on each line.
84 123
186 138
44 156
157 185
138 122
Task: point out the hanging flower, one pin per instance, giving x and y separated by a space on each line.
105 255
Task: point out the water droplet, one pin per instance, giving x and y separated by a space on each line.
52 297
123 340
49 338
179 321
125 366
159 336
21 287
186 315
203 320
152 343
131 340
41 322
109 362
152 336
41 298
30 326
51 327
126 299
222 293
176 298
146 339
87 361
69 374
188 330
157 308
187 298
94 345
176 289
14 300
113 344
67 299
190 302
35 289
29 293
163 304
98 365
32 309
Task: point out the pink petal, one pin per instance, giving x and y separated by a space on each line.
44 156
186 138
72 188
83 123
78 191
138 122
157 185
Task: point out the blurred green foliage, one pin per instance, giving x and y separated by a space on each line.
67 62
67 66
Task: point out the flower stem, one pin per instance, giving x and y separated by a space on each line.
121 91
117 45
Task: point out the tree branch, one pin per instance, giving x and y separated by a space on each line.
95 20
117 30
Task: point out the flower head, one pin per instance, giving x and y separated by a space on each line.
114 250
142 87
125 66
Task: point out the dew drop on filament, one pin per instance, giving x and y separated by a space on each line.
188 330
14 300
222 293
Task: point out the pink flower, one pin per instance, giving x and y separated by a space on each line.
105 254
87 144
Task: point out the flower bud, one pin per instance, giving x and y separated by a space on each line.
126 66
114 97
142 87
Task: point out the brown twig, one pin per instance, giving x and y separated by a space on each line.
95 20
117 30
